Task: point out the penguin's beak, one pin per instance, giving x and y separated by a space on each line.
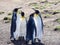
19 11
19 7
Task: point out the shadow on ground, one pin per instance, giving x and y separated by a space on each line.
23 42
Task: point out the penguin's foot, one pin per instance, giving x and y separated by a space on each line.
29 42
11 38
36 40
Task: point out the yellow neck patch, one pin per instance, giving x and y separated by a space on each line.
35 15
22 18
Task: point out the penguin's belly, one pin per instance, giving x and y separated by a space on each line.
17 32
38 25
23 28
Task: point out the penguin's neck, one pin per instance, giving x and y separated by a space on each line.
35 15
22 17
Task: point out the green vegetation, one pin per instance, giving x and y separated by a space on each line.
57 28
2 12
47 16
7 19
45 5
34 5
41 6
9 13
56 10
58 20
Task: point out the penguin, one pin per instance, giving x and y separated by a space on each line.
20 26
13 23
30 29
39 25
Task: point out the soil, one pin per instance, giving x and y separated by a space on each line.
50 37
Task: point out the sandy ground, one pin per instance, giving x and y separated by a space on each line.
50 37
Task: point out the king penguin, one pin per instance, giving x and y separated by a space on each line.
13 23
30 29
39 25
20 26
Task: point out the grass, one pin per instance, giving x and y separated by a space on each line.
56 10
9 13
7 18
57 28
7 21
2 12
45 5
47 16
58 1
34 5
58 20
40 6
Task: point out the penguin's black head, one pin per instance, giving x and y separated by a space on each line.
36 11
15 10
22 14
32 15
